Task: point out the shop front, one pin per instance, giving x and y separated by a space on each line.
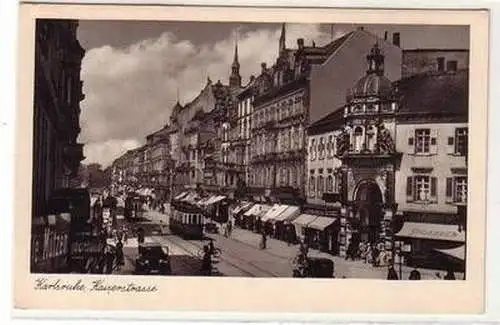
282 223
50 242
429 242
325 231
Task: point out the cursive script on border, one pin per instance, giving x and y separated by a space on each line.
95 285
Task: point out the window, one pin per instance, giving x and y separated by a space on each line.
421 188
440 63
312 186
423 140
456 189
358 139
321 148
321 186
451 65
312 149
329 184
461 141
329 146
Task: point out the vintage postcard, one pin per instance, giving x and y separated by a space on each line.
184 158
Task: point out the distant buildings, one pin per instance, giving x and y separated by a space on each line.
56 152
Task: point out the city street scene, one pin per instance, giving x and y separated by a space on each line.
250 149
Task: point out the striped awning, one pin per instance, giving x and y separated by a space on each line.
290 213
304 220
320 223
180 196
275 210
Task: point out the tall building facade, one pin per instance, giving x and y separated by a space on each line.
58 92
56 152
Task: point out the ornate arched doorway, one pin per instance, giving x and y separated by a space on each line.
368 212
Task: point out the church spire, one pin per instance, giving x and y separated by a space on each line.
235 78
282 45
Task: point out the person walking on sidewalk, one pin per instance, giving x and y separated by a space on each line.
391 273
263 241
119 255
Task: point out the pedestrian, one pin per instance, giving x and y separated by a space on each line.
263 240
391 273
229 228
375 256
109 257
414 275
450 275
119 255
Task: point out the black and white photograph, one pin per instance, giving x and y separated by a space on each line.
237 149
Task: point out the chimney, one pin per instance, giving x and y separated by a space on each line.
396 40
300 43
263 66
385 36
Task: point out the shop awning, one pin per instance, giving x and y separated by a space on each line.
432 231
216 200
320 223
275 210
457 252
180 196
290 213
237 209
304 219
202 201
191 198
253 210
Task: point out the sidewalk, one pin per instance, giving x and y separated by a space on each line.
343 268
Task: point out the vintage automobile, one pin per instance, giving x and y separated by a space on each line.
316 268
153 259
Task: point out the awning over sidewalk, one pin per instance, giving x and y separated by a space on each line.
275 210
180 196
291 212
320 223
432 231
457 252
304 220
191 198
215 199
257 210
242 207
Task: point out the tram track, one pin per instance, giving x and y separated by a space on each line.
233 255
196 248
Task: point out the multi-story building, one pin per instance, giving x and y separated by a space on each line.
56 123
299 89
159 165
431 184
243 136
419 61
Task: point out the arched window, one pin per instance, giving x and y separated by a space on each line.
358 139
312 186
321 186
312 149
371 137
329 184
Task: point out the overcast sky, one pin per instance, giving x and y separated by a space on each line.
132 70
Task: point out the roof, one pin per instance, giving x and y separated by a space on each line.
328 123
435 93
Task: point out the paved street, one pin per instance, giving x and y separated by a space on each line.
241 255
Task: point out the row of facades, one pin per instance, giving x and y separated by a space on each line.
358 128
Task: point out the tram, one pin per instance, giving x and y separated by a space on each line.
186 220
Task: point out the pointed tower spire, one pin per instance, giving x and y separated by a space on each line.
235 78
282 45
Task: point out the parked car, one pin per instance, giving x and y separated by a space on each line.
317 268
211 228
153 258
